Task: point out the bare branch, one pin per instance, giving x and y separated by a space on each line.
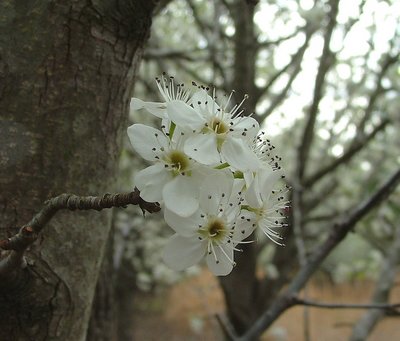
388 61
268 43
226 326
29 232
158 53
203 27
319 198
337 234
296 64
325 305
354 148
385 282
326 61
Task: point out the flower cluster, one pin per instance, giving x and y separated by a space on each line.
214 171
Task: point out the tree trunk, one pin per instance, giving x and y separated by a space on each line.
103 324
241 286
66 74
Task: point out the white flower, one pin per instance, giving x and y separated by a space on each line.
213 231
217 135
169 92
266 204
174 177
214 171
268 159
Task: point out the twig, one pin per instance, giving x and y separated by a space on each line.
386 64
160 53
295 63
325 305
326 60
29 232
354 148
387 276
227 328
337 234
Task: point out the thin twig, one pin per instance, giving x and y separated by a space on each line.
326 61
354 148
326 305
385 282
29 232
227 328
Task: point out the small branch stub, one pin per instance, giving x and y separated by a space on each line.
28 233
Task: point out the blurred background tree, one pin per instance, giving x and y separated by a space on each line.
323 80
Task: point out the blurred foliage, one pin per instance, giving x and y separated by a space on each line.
195 40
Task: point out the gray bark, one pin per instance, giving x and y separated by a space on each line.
66 73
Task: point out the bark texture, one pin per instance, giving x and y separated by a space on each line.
66 74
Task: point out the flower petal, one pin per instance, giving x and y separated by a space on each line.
150 182
204 104
245 226
253 193
180 252
239 155
148 142
185 226
203 149
158 109
181 196
267 180
219 263
185 116
245 128
216 191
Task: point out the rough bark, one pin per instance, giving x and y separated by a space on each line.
66 73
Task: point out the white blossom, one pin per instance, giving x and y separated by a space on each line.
218 135
266 203
174 177
214 171
169 92
213 231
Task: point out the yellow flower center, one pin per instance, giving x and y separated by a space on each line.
178 161
215 230
218 126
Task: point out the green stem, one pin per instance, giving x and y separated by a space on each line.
222 166
171 130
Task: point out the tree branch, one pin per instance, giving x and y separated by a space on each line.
337 234
385 281
326 61
354 148
388 61
29 232
160 53
295 62
268 43
325 305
